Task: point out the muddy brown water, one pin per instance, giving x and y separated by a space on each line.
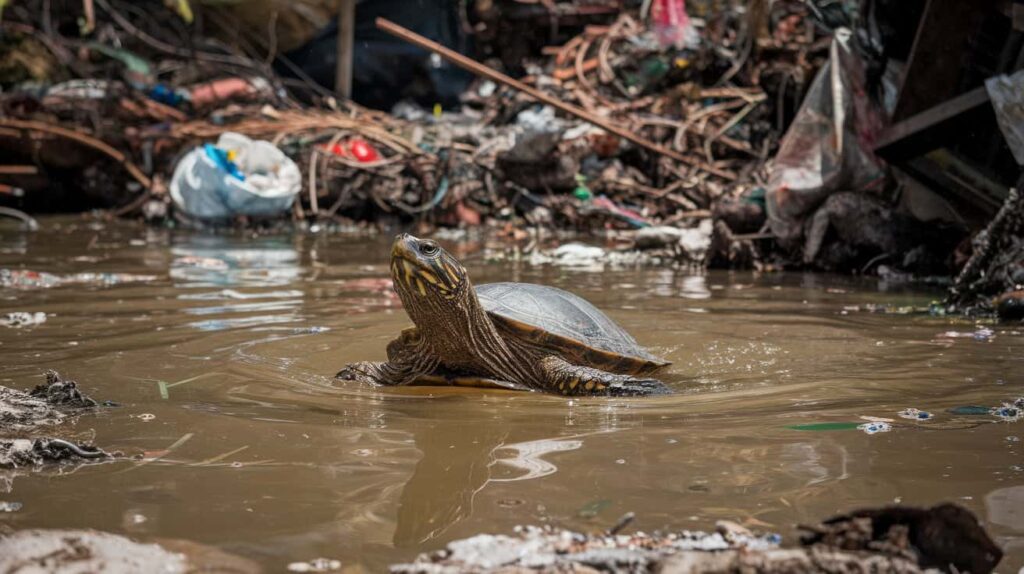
232 346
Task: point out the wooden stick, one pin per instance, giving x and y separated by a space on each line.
18 170
346 32
491 74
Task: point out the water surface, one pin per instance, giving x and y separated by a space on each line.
227 355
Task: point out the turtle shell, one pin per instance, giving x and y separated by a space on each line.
566 324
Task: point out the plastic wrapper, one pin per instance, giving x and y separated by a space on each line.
828 147
671 23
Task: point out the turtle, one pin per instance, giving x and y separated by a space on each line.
519 336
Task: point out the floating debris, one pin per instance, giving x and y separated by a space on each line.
209 263
876 427
981 334
315 565
1008 412
826 426
10 506
24 279
915 414
20 319
970 410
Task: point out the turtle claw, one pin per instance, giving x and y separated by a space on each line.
359 372
638 388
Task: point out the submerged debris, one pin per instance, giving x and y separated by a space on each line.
19 319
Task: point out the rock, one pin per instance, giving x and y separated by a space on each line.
946 537
572 254
87 551
82 552
690 244
658 237
1010 306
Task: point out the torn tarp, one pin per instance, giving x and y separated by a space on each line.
828 146
1007 96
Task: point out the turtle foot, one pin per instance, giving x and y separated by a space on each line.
638 388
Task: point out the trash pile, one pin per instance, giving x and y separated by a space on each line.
759 116
127 115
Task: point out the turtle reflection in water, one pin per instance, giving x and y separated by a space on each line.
507 335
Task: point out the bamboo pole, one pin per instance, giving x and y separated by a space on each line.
492 74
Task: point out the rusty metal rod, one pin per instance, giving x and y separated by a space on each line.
491 74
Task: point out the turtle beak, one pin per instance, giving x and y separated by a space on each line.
418 273
407 268
404 247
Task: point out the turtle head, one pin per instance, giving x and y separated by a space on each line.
424 272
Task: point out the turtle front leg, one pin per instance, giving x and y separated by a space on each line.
568 379
408 358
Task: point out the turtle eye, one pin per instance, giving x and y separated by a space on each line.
428 248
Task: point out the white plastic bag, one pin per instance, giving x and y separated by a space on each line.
202 187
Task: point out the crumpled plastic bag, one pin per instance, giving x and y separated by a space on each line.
262 181
828 148
1007 96
672 25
